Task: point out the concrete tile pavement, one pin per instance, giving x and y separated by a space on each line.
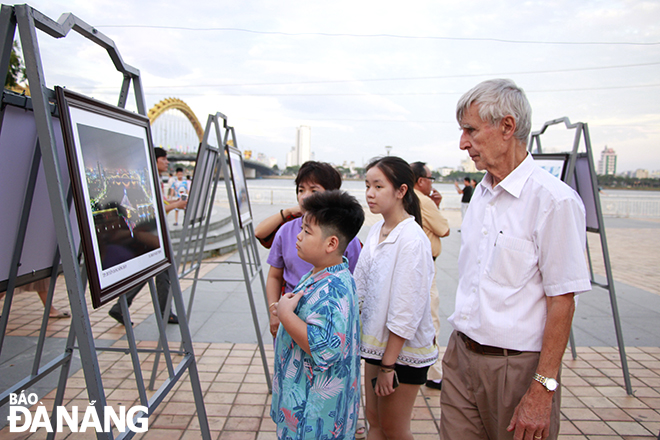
594 404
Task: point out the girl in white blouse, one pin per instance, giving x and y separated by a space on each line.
393 278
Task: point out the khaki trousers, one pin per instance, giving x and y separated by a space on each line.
480 393
435 372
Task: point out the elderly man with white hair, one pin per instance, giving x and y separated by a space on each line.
521 263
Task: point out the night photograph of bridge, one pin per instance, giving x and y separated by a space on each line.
121 195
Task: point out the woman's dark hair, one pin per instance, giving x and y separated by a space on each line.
398 172
320 173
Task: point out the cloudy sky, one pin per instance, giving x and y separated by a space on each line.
370 74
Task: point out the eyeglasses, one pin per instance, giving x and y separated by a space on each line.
432 179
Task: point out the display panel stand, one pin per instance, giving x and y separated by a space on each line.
214 166
28 21
577 170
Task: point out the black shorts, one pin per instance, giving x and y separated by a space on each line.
406 374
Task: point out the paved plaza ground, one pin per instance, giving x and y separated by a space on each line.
594 403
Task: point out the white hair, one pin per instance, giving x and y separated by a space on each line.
498 98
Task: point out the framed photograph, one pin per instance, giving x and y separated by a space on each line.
116 193
205 167
555 164
239 183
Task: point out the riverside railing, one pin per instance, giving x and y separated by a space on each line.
639 206
613 205
286 196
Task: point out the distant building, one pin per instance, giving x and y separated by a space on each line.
607 162
641 174
350 166
304 144
468 166
291 157
268 161
302 151
445 171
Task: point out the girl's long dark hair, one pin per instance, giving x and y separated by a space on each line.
398 172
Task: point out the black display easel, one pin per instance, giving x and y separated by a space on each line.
198 217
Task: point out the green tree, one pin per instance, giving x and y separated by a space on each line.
16 72
291 171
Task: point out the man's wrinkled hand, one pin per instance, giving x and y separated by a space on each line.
531 418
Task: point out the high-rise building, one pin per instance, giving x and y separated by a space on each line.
291 157
304 144
607 162
302 151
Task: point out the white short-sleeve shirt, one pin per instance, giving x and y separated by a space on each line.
520 241
393 280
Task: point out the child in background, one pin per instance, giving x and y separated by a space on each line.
316 380
286 267
393 278
179 190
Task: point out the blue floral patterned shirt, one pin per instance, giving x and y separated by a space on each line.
318 396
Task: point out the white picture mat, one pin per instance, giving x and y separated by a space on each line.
117 273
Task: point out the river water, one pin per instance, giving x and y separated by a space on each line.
614 203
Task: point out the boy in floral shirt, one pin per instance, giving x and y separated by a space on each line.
316 385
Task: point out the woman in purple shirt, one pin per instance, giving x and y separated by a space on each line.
286 268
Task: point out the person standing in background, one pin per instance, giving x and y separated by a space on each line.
467 195
435 226
179 191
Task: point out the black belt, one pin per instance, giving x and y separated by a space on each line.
487 350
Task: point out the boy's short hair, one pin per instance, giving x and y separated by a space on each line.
321 173
179 170
336 213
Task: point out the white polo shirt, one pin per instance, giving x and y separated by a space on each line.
520 241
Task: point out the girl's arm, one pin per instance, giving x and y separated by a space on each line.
266 228
386 375
296 327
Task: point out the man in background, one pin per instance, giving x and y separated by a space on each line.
435 226
467 194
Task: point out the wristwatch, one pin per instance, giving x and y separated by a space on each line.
549 383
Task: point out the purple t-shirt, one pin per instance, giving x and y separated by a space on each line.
283 254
